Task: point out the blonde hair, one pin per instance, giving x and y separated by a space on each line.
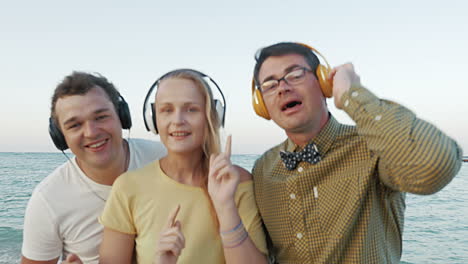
211 139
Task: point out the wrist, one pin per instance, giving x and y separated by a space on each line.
235 236
228 217
225 208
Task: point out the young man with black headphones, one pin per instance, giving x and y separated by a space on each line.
87 116
334 193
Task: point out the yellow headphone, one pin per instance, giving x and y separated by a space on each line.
322 75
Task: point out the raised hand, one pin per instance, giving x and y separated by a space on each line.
223 178
343 78
171 241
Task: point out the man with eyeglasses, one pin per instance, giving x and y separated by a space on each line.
334 193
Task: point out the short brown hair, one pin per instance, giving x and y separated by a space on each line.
284 48
80 83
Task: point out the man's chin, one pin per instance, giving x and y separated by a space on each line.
292 126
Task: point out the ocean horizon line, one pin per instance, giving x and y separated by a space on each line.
69 152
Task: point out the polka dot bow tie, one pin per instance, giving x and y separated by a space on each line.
309 154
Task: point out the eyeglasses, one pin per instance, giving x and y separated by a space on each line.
294 77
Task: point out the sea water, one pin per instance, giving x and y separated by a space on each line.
436 226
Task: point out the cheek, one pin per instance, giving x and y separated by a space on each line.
319 100
197 128
314 97
197 120
72 139
160 120
270 104
69 135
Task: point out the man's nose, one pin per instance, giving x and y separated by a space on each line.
283 86
90 128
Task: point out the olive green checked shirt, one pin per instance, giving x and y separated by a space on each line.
349 207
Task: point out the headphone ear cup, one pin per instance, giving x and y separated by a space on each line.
124 114
259 104
325 84
57 136
150 119
219 111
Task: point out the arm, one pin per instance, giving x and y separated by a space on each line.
414 156
222 185
247 252
25 260
71 259
116 247
118 240
40 245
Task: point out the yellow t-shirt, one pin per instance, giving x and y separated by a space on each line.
141 201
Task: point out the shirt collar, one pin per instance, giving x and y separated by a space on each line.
324 140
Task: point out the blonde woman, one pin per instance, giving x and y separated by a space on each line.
193 205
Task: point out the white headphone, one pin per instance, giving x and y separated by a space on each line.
149 115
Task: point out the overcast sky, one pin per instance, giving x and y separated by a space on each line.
411 52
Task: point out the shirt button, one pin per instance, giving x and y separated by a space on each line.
300 169
346 103
354 94
299 235
293 196
377 118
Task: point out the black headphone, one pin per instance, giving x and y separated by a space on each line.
149 115
58 138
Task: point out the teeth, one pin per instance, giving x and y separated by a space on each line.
180 134
97 144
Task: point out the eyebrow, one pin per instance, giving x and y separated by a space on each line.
74 118
184 104
286 71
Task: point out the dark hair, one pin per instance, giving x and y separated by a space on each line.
80 83
284 48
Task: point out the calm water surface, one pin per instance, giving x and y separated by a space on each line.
436 226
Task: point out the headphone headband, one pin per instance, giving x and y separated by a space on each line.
148 109
316 52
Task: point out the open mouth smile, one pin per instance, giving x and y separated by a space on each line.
97 145
180 134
